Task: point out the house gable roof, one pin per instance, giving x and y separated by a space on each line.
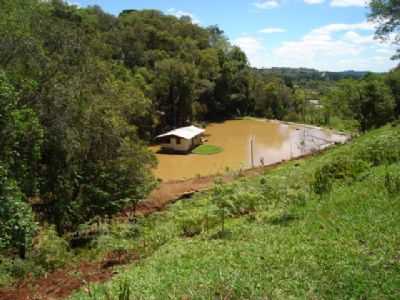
184 132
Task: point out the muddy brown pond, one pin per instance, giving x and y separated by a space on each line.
272 142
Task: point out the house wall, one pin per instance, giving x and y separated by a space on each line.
197 140
183 146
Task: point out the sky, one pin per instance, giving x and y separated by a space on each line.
328 35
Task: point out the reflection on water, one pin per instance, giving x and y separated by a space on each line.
272 142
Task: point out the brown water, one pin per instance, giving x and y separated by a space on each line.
272 142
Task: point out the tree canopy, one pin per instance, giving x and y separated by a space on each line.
387 14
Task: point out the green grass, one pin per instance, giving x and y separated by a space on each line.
207 150
285 237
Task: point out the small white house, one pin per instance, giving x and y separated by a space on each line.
316 104
181 140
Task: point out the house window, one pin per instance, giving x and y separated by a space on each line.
178 140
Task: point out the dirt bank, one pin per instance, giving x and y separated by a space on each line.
62 283
172 191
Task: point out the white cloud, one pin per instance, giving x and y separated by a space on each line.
385 51
272 30
267 4
254 49
336 47
180 13
356 38
347 3
326 32
340 3
249 44
333 47
314 1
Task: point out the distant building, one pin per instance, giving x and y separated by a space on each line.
181 140
316 104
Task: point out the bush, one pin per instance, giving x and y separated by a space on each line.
17 225
5 276
237 201
382 150
194 222
392 181
11 269
50 251
340 168
191 227
232 201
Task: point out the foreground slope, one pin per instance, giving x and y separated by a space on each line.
327 227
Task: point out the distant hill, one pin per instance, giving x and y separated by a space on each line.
312 74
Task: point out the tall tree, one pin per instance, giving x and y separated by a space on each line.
387 14
393 80
376 104
20 145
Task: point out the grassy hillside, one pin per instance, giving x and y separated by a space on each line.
322 228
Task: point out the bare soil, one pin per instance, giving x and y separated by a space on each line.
62 283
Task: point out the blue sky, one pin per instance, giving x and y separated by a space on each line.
330 35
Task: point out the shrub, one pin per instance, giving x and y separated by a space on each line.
340 168
233 200
195 222
381 150
243 202
236 200
297 197
17 225
191 227
11 269
50 251
122 293
392 181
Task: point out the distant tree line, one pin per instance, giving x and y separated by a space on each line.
371 102
297 75
375 99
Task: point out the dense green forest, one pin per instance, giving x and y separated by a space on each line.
83 93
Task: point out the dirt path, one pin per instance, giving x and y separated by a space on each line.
62 283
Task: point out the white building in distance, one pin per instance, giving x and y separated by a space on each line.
181 140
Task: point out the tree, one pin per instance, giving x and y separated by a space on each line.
17 224
175 91
20 142
387 14
376 104
343 98
21 137
393 80
232 87
275 101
